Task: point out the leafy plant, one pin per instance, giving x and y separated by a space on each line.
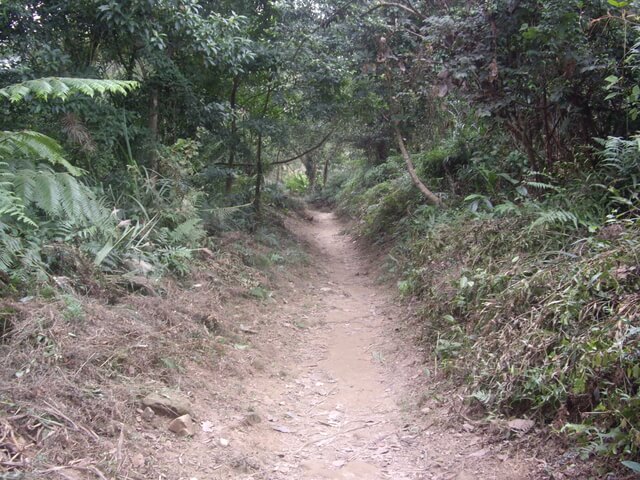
35 197
297 183
62 88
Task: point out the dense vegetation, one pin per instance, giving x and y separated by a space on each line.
491 147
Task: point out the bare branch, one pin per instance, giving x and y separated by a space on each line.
315 147
401 6
280 162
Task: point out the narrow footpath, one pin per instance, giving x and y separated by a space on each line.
349 399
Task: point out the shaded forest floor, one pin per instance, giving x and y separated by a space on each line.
308 371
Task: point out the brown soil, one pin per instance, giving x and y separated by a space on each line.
339 402
321 380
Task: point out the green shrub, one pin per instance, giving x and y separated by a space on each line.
297 183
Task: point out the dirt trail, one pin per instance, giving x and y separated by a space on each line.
341 397
347 422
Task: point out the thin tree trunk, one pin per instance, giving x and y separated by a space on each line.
234 130
309 163
327 162
325 171
153 128
428 194
257 199
548 141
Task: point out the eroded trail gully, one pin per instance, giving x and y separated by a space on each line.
344 401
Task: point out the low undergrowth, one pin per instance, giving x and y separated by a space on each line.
75 365
530 303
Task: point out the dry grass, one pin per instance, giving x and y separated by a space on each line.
73 369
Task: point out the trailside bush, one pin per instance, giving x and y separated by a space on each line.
529 300
297 183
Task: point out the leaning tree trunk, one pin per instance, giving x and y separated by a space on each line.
384 56
428 194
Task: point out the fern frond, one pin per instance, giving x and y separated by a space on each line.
61 87
31 264
9 246
541 186
621 155
13 206
36 146
189 233
506 208
222 214
59 195
49 192
555 217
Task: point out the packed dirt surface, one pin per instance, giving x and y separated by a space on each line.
340 392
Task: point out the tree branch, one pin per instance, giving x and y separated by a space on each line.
401 6
315 147
280 162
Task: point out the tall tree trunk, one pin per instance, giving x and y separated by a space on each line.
325 170
234 131
547 136
309 163
153 128
428 194
257 199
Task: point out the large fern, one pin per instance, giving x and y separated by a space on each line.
221 215
10 204
33 194
61 88
619 174
33 145
56 194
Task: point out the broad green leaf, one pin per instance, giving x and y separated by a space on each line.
618 4
635 466
612 80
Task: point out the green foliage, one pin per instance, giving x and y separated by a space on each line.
62 88
57 195
527 287
297 183
35 146
553 217
621 169
73 311
529 276
34 197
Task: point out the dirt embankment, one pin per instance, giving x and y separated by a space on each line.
297 373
